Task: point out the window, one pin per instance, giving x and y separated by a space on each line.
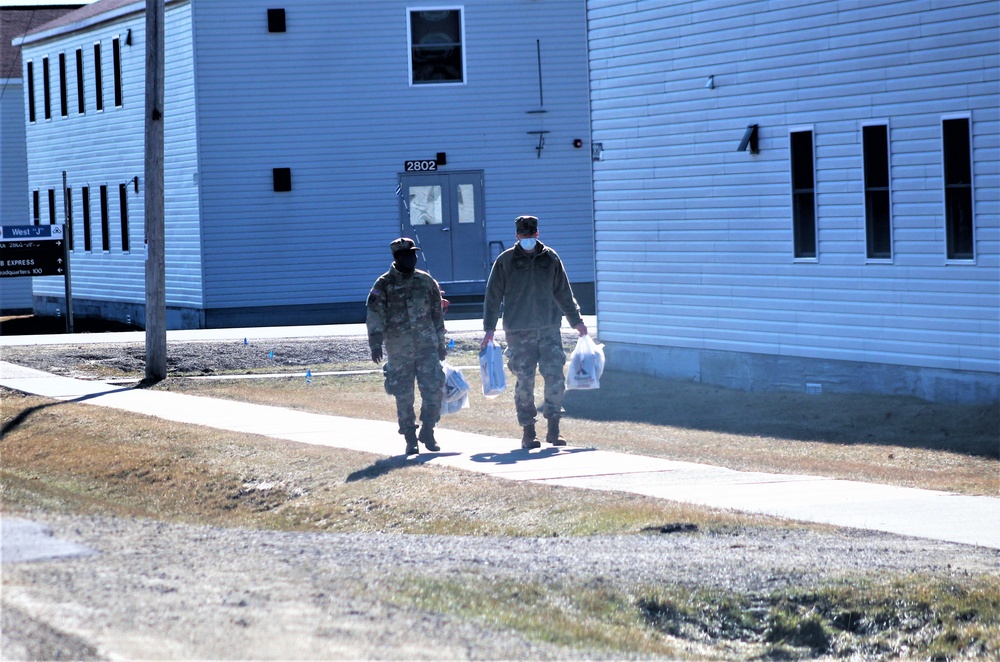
436 54
98 83
466 203
52 206
105 223
878 208
956 143
31 91
123 205
36 207
46 90
803 193
81 106
87 242
116 50
425 205
69 218
63 101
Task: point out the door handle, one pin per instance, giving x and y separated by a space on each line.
446 229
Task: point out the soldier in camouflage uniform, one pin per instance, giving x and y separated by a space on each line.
405 313
531 283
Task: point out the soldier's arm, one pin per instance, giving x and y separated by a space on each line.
375 320
495 286
563 293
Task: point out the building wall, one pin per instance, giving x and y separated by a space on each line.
106 147
330 99
15 293
695 269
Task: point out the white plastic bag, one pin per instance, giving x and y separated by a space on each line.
455 393
491 369
586 365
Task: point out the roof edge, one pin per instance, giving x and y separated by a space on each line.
136 7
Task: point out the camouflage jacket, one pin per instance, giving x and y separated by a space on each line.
533 288
404 312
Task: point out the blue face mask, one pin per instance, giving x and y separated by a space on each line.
528 243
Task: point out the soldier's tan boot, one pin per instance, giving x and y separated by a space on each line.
553 437
427 437
411 441
528 438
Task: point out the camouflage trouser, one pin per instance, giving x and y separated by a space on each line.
525 350
400 371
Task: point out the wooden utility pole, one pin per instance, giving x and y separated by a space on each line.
156 298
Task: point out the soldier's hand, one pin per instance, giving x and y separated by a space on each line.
442 353
377 354
486 340
581 328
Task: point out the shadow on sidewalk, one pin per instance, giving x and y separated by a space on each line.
522 455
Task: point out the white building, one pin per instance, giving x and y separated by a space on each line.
15 20
288 130
852 245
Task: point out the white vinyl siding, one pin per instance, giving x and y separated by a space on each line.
105 149
693 238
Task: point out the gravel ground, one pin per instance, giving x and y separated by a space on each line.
166 591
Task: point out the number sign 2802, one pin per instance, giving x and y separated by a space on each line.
420 166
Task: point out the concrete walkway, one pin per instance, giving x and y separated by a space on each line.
973 520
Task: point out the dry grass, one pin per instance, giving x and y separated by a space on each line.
892 440
77 458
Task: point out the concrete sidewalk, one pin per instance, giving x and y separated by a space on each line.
913 512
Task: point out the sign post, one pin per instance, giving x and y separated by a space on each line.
68 239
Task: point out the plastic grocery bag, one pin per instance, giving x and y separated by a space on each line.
491 369
586 365
455 393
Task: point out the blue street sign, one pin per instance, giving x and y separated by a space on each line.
31 232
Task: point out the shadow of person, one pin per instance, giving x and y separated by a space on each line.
389 464
523 455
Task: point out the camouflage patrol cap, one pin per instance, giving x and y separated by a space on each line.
526 224
403 244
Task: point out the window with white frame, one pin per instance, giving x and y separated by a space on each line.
435 46
956 143
878 205
803 193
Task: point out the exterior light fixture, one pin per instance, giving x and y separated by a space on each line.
710 83
749 140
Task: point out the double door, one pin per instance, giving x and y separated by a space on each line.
444 213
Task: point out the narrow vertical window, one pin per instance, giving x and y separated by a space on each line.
105 221
436 54
803 194
36 207
46 89
87 241
69 218
31 91
878 207
116 50
81 105
957 146
123 206
52 206
63 99
98 82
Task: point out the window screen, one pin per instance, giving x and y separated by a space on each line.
87 241
878 210
803 194
98 82
958 188
436 47
105 222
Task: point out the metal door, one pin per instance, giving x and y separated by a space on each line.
444 213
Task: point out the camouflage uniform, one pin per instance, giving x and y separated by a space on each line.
404 312
535 292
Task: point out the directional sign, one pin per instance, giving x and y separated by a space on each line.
32 250
31 232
